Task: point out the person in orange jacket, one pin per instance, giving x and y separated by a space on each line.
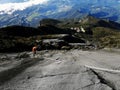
34 49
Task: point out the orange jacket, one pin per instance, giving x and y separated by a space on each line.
34 49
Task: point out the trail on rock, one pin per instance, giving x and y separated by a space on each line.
66 70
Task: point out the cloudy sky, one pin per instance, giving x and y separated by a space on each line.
11 7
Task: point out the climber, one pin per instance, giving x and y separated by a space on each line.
34 49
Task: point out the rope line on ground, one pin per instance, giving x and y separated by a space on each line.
103 69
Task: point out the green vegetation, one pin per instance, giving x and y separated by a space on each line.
2 17
98 32
32 16
107 37
19 38
49 21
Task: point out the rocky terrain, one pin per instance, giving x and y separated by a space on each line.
60 70
70 56
74 52
56 34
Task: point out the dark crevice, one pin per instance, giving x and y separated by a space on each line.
61 74
103 80
88 86
85 86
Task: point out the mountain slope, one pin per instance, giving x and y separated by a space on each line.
61 9
98 32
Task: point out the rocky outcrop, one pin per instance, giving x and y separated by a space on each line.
58 70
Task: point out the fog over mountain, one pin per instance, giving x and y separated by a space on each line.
30 12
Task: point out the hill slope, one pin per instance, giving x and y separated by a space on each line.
98 33
61 9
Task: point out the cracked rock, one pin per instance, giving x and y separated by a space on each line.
47 74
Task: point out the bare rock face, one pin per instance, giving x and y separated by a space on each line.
82 79
4 58
60 70
23 55
69 78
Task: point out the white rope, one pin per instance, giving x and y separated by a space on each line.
103 69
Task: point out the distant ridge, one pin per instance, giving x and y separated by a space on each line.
61 9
